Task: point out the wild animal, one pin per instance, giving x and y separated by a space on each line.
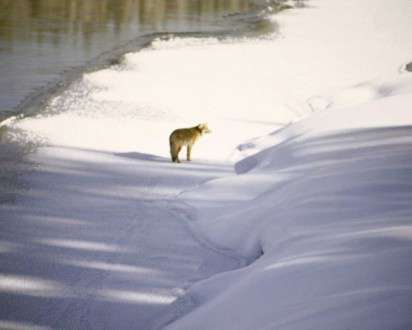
185 137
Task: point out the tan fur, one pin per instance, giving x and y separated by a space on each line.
185 137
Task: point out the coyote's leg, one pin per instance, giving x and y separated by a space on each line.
189 150
177 153
173 151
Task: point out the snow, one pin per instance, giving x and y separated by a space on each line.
98 241
295 213
333 225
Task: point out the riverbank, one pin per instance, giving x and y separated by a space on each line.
88 53
46 46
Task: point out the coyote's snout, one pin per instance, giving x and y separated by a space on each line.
185 137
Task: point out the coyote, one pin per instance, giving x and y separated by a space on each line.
185 137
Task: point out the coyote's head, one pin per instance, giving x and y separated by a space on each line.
203 128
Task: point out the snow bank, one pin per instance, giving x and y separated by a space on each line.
321 208
328 212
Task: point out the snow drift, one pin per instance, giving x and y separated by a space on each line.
331 226
321 208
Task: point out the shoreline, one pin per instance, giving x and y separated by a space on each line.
38 98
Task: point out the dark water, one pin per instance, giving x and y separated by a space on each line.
40 40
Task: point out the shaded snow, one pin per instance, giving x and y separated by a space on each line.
335 229
100 242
